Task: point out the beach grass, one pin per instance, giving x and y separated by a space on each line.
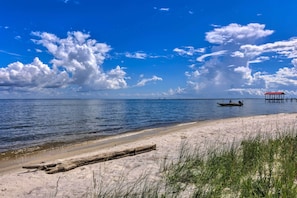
261 166
258 167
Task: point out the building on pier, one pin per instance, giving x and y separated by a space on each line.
275 96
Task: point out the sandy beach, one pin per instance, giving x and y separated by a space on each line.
85 181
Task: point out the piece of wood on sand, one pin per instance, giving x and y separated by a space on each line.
77 162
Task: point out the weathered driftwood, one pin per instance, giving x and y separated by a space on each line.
74 163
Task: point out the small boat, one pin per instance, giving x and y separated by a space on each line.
231 104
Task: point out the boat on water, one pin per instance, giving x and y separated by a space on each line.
231 104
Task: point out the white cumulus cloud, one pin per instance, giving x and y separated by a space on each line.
286 48
217 53
35 74
235 32
76 60
188 50
164 9
136 55
144 81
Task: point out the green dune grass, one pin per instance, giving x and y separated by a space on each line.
256 167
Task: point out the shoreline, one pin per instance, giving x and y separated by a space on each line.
18 182
31 150
19 152
54 151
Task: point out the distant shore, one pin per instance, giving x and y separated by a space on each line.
15 181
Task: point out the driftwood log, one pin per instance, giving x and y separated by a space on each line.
74 163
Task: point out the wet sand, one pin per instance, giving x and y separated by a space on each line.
83 181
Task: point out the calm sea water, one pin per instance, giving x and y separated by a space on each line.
25 123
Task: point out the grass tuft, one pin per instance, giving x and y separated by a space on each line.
259 167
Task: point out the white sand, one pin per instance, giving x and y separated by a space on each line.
86 180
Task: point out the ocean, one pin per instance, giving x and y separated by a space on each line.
27 123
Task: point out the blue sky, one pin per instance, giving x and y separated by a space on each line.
147 49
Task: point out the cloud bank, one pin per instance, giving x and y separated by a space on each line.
77 61
237 61
231 64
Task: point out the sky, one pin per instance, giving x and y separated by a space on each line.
147 49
